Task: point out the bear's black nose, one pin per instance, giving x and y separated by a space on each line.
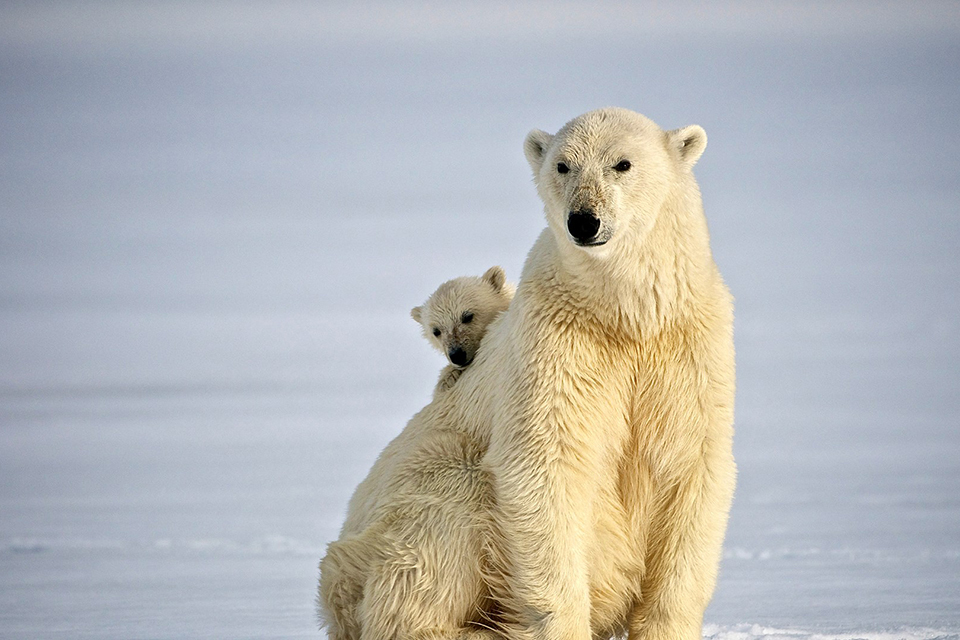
583 225
458 356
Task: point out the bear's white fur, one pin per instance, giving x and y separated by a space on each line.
575 482
455 318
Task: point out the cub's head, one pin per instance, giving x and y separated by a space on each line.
605 175
456 316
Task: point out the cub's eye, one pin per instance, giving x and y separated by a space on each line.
467 317
623 165
562 168
436 332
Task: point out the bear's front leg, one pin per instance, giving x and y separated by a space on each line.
545 458
542 514
684 549
448 377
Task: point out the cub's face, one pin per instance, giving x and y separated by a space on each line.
604 176
456 316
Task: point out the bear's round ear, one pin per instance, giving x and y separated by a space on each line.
496 277
689 143
415 313
535 148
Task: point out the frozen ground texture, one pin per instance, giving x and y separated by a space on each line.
215 217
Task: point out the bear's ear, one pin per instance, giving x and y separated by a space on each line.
415 313
496 277
689 143
535 148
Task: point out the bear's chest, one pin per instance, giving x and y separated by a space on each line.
666 420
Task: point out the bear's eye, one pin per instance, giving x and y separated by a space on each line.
436 332
467 317
562 168
623 165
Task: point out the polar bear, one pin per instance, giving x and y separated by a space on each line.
575 483
611 458
455 318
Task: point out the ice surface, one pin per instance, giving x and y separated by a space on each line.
214 219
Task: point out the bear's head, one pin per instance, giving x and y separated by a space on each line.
605 175
456 316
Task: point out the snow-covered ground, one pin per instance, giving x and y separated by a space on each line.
215 217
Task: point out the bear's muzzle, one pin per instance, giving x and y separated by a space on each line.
583 226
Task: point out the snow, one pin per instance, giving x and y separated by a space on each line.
214 219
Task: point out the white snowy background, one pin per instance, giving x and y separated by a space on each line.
214 218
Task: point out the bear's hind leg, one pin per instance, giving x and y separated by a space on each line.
342 573
408 597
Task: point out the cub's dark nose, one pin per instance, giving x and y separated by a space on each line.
583 225
458 356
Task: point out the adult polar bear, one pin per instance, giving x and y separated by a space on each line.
575 482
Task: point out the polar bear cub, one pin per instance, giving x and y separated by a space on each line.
455 318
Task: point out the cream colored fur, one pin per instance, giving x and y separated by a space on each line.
455 317
575 482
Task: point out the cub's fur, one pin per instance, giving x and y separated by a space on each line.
456 316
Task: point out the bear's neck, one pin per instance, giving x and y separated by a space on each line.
637 290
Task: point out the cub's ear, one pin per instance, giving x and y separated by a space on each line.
535 148
496 277
415 313
689 143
